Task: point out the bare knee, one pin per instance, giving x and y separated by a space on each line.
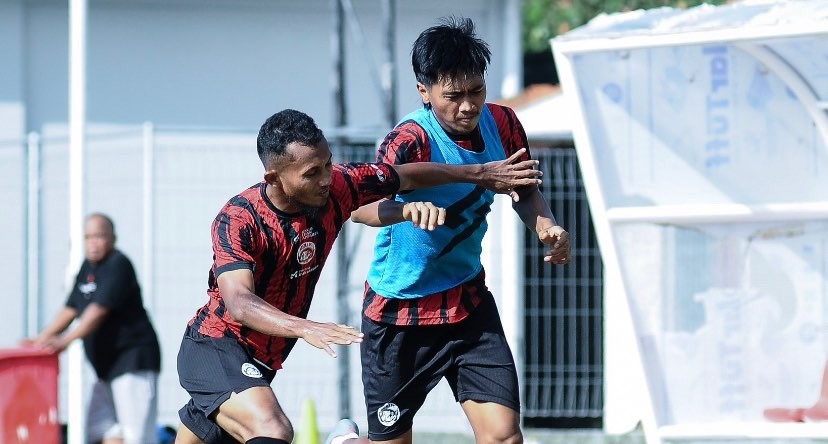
272 426
500 435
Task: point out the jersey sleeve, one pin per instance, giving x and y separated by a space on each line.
358 184
234 243
407 143
512 135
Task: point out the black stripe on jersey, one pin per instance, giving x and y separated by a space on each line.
223 231
444 306
454 213
512 128
269 265
338 220
392 310
354 195
221 309
234 266
288 234
413 312
245 234
468 231
202 314
402 148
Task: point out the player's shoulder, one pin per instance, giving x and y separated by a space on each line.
407 131
245 201
501 112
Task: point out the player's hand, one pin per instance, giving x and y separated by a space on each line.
322 335
503 176
558 239
424 215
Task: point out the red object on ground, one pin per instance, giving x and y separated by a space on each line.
28 397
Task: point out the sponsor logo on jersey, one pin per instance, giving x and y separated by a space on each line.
250 370
301 273
307 233
87 288
388 414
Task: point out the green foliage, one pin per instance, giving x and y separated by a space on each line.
544 19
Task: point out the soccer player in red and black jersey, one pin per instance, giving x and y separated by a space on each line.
270 243
427 313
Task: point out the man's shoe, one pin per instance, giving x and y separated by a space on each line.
344 429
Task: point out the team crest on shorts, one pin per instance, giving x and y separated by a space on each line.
250 370
388 414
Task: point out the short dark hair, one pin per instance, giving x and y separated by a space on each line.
282 129
450 49
105 218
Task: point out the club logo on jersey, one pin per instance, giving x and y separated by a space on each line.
250 370
388 414
306 252
380 174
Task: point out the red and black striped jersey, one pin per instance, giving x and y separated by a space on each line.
408 142
285 252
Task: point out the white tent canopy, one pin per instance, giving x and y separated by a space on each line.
702 136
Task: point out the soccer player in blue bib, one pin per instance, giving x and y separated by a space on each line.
427 313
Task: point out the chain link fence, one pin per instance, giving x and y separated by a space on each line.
163 187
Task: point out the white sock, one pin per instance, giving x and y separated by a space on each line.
343 438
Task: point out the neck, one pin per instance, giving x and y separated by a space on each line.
281 201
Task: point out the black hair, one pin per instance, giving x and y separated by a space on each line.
106 219
282 129
449 50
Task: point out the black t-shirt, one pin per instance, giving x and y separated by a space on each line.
125 341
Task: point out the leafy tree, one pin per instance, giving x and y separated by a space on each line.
544 19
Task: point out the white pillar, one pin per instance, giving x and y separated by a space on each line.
77 128
512 49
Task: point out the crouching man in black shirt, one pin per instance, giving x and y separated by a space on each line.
118 339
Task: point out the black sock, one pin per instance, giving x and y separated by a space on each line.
263 440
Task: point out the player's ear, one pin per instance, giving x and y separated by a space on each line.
271 176
423 91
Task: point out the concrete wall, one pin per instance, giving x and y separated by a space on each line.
217 63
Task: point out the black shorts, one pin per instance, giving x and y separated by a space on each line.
401 364
210 369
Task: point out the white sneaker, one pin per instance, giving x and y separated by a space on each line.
344 429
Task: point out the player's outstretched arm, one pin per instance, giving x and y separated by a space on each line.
246 308
501 176
385 212
534 211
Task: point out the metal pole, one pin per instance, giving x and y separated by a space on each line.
389 75
342 271
32 264
77 128
148 220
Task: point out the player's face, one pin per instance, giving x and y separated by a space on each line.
457 103
98 239
306 177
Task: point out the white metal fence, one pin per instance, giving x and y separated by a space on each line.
163 187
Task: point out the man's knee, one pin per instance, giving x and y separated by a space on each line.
275 426
500 434
263 425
